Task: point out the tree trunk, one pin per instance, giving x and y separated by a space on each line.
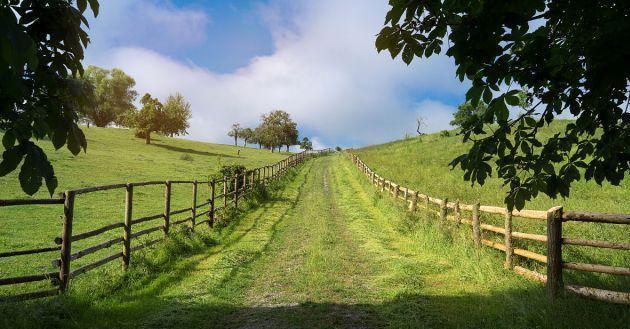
235 140
147 137
259 146
287 147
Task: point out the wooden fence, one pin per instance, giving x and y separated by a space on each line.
223 193
554 239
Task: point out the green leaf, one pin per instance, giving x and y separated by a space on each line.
11 158
473 94
501 111
30 176
82 4
512 100
382 41
8 140
95 6
407 54
487 95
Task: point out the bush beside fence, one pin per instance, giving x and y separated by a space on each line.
223 193
553 238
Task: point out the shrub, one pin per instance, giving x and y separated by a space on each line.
445 133
338 149
229 171
186 157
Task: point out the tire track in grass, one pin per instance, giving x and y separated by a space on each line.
313 270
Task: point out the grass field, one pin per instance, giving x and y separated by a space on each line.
421 163
113 156
326 251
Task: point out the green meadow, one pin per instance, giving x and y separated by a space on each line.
324 250
113 156
421 163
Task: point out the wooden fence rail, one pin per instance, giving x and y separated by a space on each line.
553 239
232 192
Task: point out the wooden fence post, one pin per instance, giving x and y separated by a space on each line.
426 202
225 191
236 191
127 228
396 191
66 241
252 179
443 210
212 193
458 213
414 202
554 252
382 182
406 195
509 250
244 182
194 206
475 225
167 207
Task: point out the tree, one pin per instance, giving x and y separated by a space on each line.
246 135
176 116
467 112
149 119
306 144
421 122
290 134
236 128
573 59
114 95
42 46
278 129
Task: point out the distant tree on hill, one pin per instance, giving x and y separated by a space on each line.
466 112
246 134
277 129
290 134
176 115
306 144
113 95
420 122
234 132
148 119
257 137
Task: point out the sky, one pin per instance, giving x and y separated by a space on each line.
315 59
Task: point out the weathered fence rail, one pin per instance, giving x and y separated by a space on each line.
553 239
233 188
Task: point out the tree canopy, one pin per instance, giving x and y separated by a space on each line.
113 95
306 144
570 57
42 44
246 134
176 115
278 129
234 132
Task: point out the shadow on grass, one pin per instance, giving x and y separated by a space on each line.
191 151
508 309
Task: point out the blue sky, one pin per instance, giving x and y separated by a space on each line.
235 60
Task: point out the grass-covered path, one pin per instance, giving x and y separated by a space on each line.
327 252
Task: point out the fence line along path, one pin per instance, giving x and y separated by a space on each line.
554 239
223 193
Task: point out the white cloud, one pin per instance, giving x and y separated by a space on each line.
324 71
157 23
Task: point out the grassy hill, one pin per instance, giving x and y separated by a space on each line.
421 163
116 156
113 156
